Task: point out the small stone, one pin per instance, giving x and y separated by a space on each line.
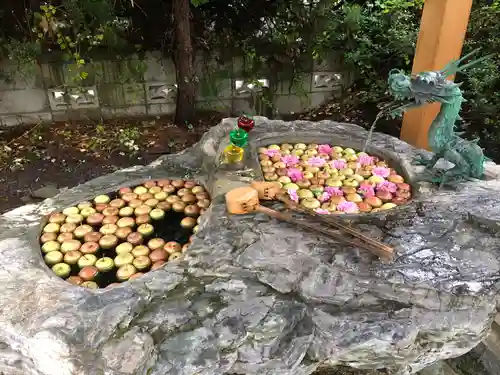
443 164
223 185
439 368
209 147
45 192
27 199
425 187
134 353
491 171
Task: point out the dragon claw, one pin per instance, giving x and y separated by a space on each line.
421 160
425 161
450 177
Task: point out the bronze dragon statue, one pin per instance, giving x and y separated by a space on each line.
434 86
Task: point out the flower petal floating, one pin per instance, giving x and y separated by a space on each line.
387 186
290 160
338 164
316 161
365 160
293 195
381 172
324 197
271 152
366 190
334 191
348 207
295 174
321 211
325 149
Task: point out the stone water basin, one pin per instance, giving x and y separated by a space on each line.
333 179
323 187
123 234
252 295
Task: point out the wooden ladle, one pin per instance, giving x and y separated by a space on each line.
245 200
267 190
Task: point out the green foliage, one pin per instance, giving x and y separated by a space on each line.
77 27
275 39
132 69
88 14
22 54
381 35
374 38
390 6
126 141
482 83
197 3
74 29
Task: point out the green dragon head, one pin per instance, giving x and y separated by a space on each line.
427 87
434 86
422 88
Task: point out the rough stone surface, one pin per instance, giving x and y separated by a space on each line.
256 296
45 192
484 359
439 368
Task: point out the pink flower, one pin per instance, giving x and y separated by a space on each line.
349 207
293 195
325 149
324 197
338 164
295 174
381 172
271 152
316 161
334 191
365 160
387 186
321 211
290 160
366 190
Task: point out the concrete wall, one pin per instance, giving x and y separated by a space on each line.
118 88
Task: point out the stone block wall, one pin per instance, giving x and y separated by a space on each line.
121 88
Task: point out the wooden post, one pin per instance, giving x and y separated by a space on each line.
442 33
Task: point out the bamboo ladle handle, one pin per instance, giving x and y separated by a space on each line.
245 200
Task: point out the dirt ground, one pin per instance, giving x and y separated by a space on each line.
65 154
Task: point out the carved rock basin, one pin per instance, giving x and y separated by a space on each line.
257 296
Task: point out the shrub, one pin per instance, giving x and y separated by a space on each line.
374 38
482 83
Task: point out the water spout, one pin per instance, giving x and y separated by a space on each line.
394 108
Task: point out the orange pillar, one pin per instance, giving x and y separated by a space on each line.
442 33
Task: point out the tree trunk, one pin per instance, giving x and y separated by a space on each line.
184 57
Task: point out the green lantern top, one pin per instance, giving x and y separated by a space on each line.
238 137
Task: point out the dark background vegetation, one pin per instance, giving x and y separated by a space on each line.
275 37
